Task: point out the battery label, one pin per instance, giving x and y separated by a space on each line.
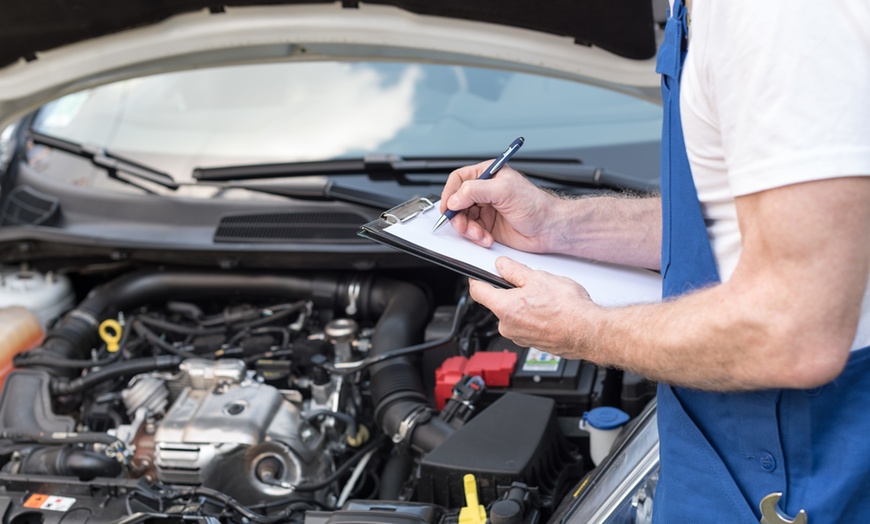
537 360
50 502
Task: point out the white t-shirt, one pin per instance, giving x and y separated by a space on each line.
774 93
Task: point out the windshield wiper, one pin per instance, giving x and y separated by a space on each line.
565 171
321 189
112 163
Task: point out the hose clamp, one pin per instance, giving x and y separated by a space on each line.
353 290
420 415
84 315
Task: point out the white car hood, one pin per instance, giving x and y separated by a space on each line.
611 46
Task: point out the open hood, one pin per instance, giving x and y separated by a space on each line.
53 47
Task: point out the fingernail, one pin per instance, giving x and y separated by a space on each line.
472 234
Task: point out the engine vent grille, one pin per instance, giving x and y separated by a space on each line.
26 206
286 226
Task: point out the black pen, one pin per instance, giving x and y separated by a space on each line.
490 171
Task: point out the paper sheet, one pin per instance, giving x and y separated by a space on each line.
607 284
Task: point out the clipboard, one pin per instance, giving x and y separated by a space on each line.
375 230
408 228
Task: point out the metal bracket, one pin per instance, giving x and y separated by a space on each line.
410 209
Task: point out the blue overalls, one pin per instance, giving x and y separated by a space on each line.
722 453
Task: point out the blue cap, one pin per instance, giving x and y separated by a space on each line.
605 418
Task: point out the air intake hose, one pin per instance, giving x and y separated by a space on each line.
401 407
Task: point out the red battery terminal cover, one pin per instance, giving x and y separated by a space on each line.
494 367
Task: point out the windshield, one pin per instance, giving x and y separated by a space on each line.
306 111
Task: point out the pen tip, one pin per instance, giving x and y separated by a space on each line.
438 224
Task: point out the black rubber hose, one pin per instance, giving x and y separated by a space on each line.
127 368
59 438
70 461
397 390
396 472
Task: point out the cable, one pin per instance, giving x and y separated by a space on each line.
178 328
346 368
154 339
354 477
339 471
240 508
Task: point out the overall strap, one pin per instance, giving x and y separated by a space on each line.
687 257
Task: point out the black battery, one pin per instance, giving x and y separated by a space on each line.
571 383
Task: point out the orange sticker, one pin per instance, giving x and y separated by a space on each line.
36 501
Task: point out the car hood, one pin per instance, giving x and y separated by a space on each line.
49 48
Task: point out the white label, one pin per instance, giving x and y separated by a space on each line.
55 503
537 360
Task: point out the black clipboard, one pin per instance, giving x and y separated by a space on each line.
375 230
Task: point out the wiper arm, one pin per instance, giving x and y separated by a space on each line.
112 163
319 189
566 171
378 167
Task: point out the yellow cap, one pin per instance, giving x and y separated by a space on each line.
110 332
473 512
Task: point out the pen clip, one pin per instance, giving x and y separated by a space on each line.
410 209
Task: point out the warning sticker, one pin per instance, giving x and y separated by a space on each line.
537 360
49 502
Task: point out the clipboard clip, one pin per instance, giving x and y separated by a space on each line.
410 209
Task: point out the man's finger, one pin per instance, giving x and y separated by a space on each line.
473 192
458 177
484 294
514 272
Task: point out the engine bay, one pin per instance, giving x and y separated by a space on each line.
170 395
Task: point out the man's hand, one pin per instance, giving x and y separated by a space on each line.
507 208
786 319
540 312
512 211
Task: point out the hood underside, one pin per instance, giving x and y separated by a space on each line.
622 27
49 48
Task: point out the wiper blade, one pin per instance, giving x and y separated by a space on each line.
386 167
566 171
112 163
321 189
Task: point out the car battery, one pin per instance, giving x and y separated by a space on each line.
571 383
575 385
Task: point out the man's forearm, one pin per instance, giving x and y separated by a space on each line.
717 339
621 230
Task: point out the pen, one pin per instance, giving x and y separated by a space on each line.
490 171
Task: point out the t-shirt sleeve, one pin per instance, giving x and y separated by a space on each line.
792 90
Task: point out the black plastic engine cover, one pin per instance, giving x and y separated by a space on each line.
514 440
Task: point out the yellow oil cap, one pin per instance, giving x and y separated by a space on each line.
110 332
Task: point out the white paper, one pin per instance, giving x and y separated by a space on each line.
607 284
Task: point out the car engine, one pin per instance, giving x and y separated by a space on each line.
170 395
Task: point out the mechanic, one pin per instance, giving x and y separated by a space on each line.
764 246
